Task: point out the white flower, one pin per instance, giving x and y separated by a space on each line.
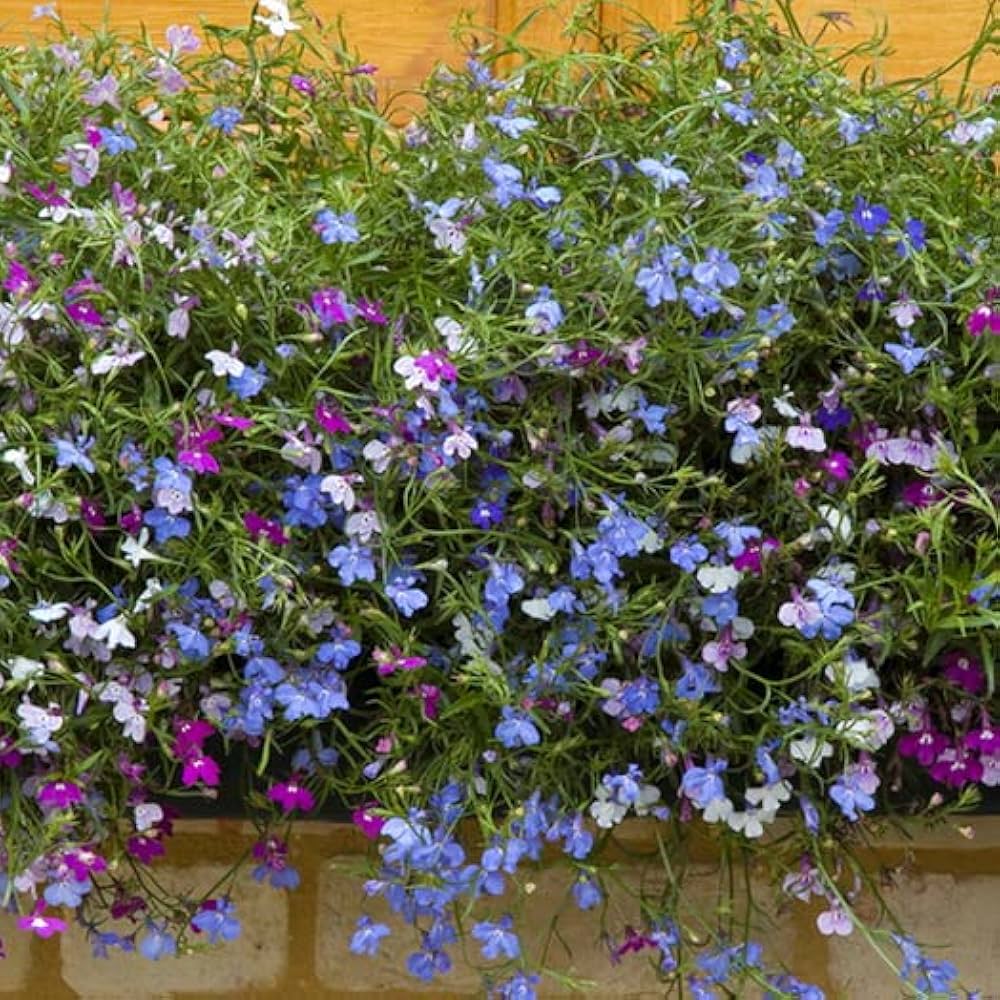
649 795
279 21
854 673
363 525
114 633
809 750
769 797
751 822
718 579
135 551
606 812
340 490
22 669
460 442
45 612
839 522
18 457
717 809
379 454
538 608
118 357
225 364
147 815
146 598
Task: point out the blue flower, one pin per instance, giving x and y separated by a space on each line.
657 279
157 943
192 643
426 965
662 173
218 923
789 159
544 313
497 939
250 382
827 226
368 936
914 238
401 589
352 562
703 785
870 218
225 118
333 228
734 53
516 730
775 320
716 270
166 525
688 553
587 893
506 181
73 454
117 140
696 681
907 354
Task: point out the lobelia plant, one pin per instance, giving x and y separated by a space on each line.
615 438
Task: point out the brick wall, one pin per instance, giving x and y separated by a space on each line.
295 944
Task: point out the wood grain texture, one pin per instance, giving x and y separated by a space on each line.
406 37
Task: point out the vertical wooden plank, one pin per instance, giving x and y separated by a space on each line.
618 15
549 19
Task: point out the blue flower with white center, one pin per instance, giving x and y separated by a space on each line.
497 939
352 562
368 936
516 730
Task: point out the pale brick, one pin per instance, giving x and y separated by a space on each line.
256 960
14 968
955 914
574 950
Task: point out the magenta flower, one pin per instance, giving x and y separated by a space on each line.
983 737
257 526
226 419
145 848
83 862
920 493
838 465
10 756
19 281
924 745
965 671
91 513
199 768
751 558
331 419
370 310
190 735
986 316
131 520
302 84
59 795
331 307
956 767
40 924
436 366
291 795
84 313
198 459
367 822
8 546
48 195
430 695
388 662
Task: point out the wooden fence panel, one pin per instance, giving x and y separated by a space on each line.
405 38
